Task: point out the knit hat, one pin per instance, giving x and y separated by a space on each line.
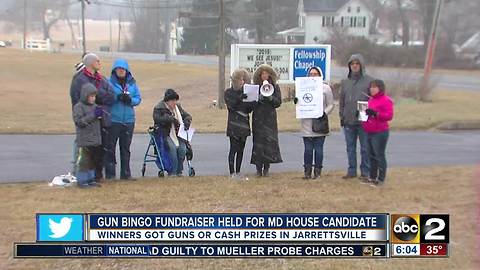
89 59
170 94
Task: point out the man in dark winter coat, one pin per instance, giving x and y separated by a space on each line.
105 95
353 89
169 116
266 149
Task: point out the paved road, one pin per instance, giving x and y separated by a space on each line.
40 157
441 81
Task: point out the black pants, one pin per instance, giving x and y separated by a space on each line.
237 145
101 152
377 143
122 133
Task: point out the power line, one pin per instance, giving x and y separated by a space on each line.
144 5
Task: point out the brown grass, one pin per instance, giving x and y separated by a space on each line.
420 190
35 95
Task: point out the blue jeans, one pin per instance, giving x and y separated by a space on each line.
352 134
122 133
177 155
377 143
311 144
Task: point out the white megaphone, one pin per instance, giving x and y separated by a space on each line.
266 89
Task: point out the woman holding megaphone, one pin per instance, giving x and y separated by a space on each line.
266 148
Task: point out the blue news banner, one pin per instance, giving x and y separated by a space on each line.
39 250
208 235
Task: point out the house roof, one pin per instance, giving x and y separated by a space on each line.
297 31
323 5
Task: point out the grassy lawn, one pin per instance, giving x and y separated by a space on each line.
415 190
35 95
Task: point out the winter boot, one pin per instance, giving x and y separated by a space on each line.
266 167
259 170
317 172
307 172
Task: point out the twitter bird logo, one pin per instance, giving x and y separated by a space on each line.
61 229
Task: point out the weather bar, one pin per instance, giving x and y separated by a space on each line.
50 250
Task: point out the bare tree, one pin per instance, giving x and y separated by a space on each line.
459 20
377 7
147 30
42 14
405 22
426 8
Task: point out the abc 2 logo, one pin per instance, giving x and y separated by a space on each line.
419 229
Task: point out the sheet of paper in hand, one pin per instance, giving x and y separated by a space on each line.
309 92
362 106
186 134
252 92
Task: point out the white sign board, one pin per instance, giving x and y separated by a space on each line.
309 92
278 58
288 60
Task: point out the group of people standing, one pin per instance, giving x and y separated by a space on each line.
358 86
103 113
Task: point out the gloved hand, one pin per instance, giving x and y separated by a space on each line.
295 100
244 96
126 98
186 125
98 112
266 99
371 112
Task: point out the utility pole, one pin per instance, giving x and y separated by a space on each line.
111 37
430 53
167 33
24 45
84 46
221 56
119 30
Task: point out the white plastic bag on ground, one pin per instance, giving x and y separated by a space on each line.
65 180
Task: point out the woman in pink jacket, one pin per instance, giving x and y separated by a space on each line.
380 111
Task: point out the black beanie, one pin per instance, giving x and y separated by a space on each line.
170 94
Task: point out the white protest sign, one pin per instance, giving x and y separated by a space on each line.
251 90
309 92
362 106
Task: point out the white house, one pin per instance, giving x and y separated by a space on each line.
317 18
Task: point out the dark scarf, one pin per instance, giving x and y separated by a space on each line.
97 77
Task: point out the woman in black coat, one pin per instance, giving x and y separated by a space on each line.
266 148
238 125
